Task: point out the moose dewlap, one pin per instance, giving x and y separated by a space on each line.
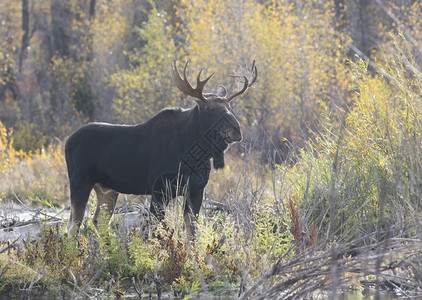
171 150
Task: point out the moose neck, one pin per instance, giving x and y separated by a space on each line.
206 137
191 132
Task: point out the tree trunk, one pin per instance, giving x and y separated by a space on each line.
92 8
60 21
25 29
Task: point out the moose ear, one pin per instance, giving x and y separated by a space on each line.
221 91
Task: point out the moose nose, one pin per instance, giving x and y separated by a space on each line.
234 136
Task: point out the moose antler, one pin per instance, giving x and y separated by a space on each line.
184 85
249 77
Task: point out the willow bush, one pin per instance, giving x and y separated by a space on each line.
365 178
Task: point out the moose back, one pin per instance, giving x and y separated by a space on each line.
172 149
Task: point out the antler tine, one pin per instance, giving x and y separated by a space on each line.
201 84
184 85
181 84
184 72
255 76
254 71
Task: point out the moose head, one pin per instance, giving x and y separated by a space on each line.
217 122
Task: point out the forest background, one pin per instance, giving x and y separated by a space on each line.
65 63
332 127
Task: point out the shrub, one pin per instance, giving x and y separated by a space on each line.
364 178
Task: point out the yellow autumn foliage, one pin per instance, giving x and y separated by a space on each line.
9 157
33 176
299 55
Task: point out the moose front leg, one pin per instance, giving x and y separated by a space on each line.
79 194
192 206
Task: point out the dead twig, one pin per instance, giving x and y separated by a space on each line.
135 286
39 211
394 266
12 244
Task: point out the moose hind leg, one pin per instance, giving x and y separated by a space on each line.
106 199
79 194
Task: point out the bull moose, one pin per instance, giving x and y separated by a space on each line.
172 149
